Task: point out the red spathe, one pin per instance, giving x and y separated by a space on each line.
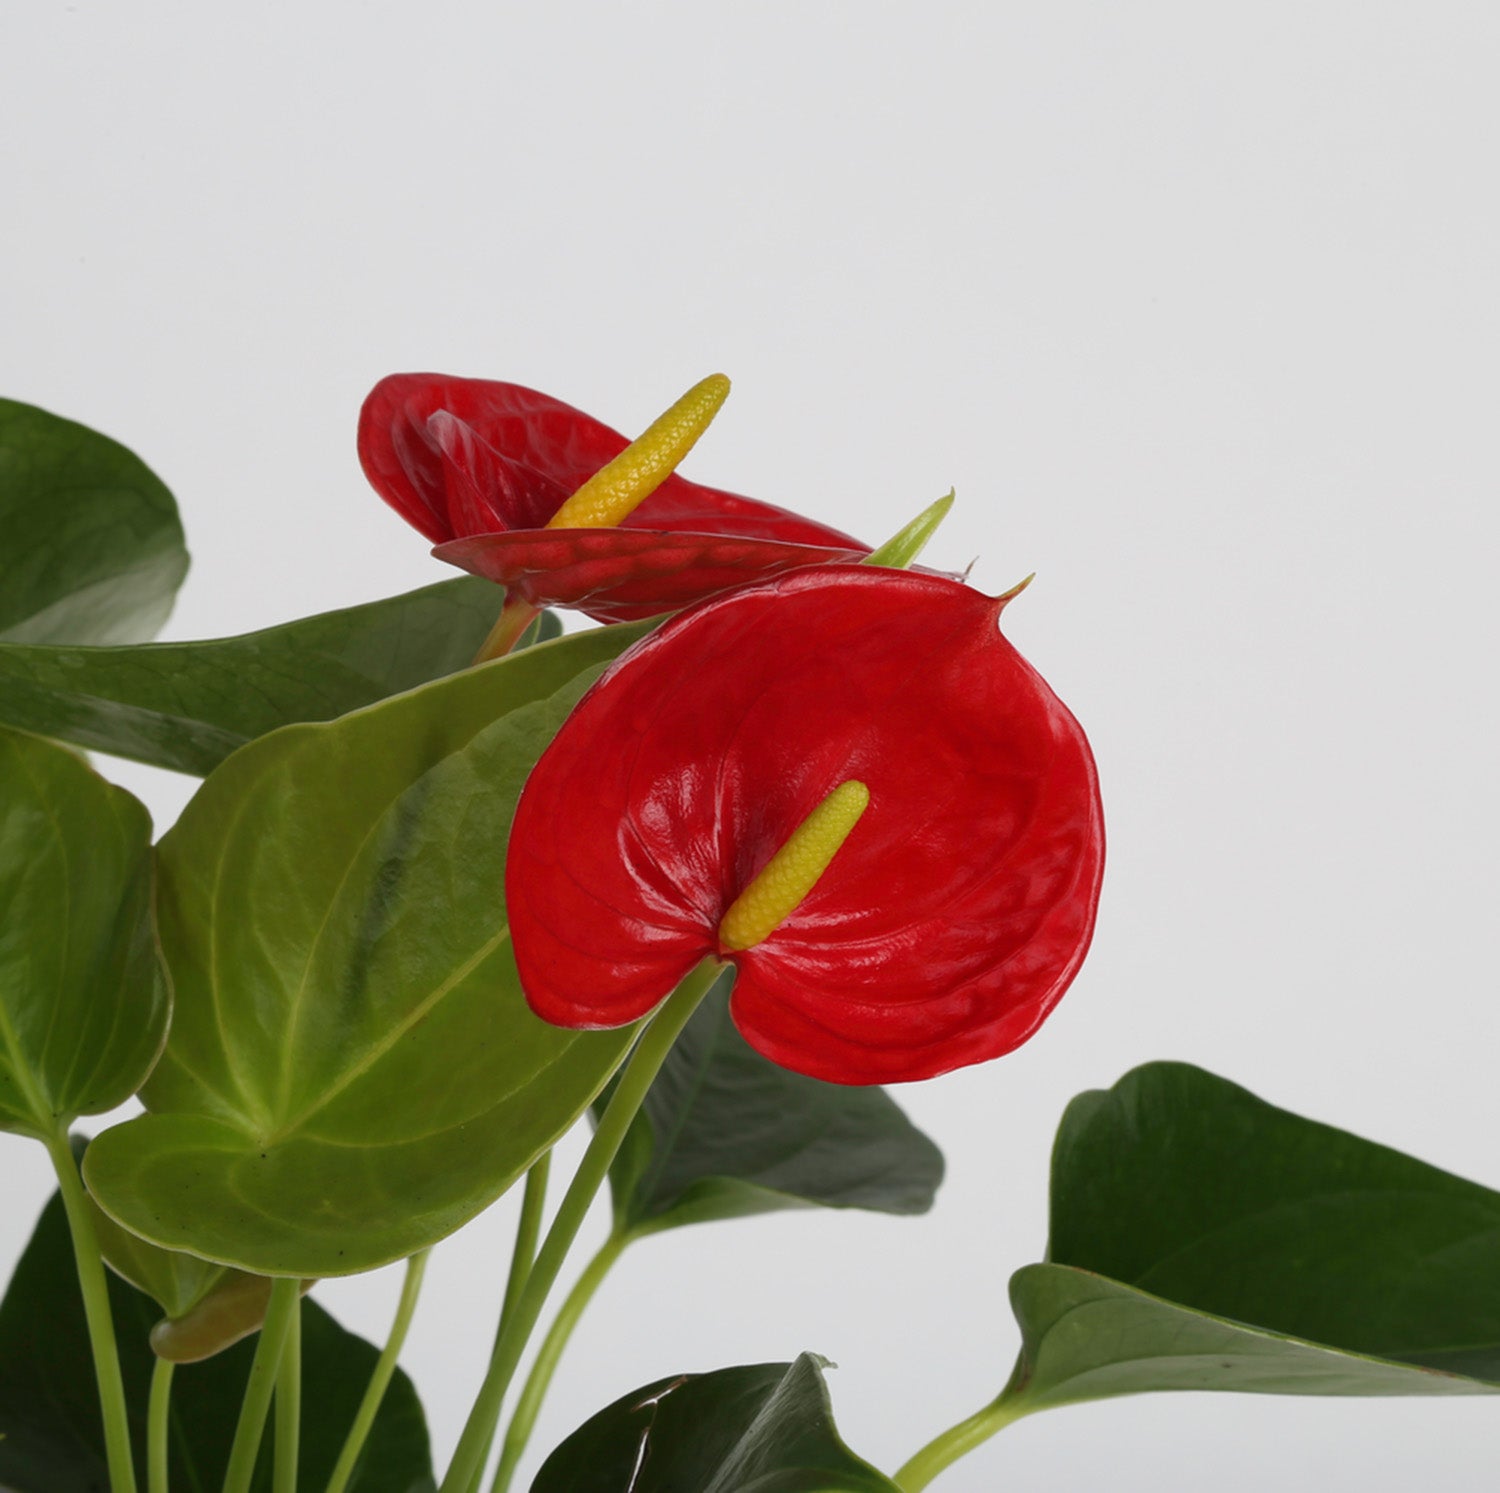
480 467
949 923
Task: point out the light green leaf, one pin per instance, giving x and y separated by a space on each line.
353 1072
765 1427
83 996
187 706
93 549
725 1132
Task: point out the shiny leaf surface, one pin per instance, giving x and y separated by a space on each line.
725 1132
187 706
352 1072
951 920
1203 1239
50 1435
83 996
93 549
767 1427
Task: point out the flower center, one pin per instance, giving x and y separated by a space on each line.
616 490
794 870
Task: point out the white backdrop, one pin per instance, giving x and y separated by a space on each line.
1194 305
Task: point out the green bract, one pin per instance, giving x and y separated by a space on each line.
83 997
93 545
353 1072
766 1427
1203 1239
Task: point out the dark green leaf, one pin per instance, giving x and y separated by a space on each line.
725 1132
83 997
353 1072
1203 1239
93 548
51 1439
186 706
766 1428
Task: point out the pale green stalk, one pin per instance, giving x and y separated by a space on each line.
650 1053
385 1366
289 1407
286 1300
944 1450
528 1231
547 1356
528 1227
158 1426
101 1324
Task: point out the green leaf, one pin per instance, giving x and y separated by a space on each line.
725 1132
51 1439
1203 1239
207 1307
83 996
93 547
175 1281
187 706
767 1428
353 1072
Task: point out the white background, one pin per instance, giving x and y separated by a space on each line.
1196 307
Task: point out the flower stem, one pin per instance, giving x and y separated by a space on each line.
548 1355
385 1366
289 1406
528 1230
286 1298
158 1426
528 1227
650 1053
515 617
95 1291
957 1441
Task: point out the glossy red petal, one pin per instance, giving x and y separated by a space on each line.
463 456
954 916
619 575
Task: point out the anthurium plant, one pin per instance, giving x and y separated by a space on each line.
793 821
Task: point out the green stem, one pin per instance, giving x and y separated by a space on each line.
385 1366
289 1407
942 1451
547 1356
95 1290
286 1299
158 1424
650 1053
528 1230
529 1226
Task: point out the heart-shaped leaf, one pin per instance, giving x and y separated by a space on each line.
353 1071
187 706
83 996
93 547
767 1427
725 1132
1203 1239
51 1439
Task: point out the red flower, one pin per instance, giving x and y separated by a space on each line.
946 926
480 468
